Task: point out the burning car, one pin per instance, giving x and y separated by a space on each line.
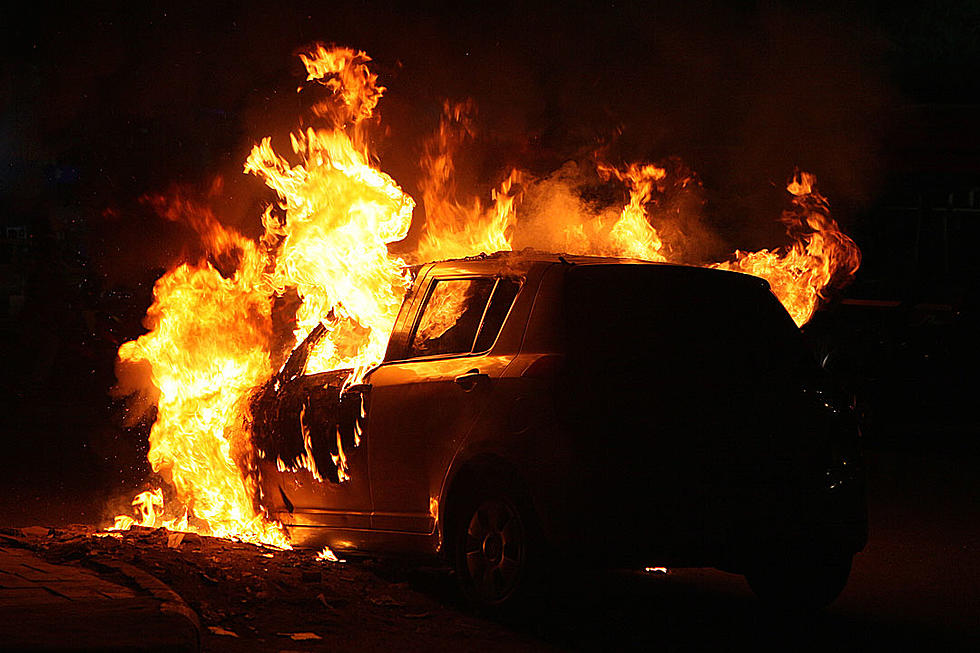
530 404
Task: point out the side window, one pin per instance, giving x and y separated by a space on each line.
452 314
463 316
503 298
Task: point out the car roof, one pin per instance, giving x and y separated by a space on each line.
516 260
534 255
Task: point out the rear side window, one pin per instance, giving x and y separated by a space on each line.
503 297
462 316
710 329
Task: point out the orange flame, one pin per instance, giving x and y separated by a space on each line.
820 255
147 506
633 236
210 334
452 229
346 74
326 554
207 348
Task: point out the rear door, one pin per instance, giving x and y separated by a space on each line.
424 403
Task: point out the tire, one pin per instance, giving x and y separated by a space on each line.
800 581
495 551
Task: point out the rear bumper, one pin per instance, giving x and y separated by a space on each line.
828 520
736 526
838 515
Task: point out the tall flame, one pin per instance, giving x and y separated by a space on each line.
453 229
210 335
211 340
632 235
207 349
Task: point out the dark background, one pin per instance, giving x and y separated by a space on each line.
103 105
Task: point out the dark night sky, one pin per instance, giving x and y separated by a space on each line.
101 106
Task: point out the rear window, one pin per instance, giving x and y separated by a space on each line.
462 316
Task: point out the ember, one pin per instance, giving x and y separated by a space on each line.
211 342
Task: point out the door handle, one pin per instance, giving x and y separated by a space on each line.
470 380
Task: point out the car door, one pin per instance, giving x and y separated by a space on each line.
319 490
424 404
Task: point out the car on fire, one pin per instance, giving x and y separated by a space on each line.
532 405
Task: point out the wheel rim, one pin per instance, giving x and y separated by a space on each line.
495 550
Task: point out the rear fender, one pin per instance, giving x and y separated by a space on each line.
470 472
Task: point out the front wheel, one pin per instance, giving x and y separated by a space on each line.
494 550
800 581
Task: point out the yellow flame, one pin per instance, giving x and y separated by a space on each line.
453 229
327 555
820 254
632 235
210 331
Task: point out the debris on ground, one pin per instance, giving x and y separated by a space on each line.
299 637
248 595
218 630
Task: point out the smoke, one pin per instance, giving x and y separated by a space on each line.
134 382
571 209
553 212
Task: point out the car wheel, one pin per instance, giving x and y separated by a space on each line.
800 581
495 546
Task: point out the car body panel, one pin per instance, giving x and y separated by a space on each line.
688 470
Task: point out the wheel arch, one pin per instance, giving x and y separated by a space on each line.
472 475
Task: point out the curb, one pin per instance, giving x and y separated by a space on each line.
170 602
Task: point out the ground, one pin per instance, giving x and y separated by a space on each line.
250 597
916 584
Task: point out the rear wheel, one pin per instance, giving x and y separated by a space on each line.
800 581
495 549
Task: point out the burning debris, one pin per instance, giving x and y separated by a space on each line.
212 344
328 556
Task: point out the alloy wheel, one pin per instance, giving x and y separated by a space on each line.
495 550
